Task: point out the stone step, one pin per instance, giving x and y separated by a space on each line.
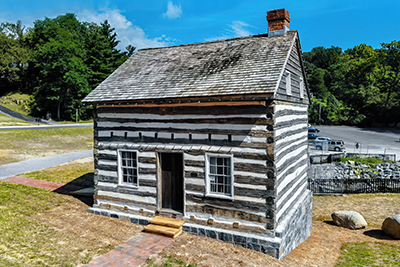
167 222
162 230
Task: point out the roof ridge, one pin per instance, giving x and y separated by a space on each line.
214 41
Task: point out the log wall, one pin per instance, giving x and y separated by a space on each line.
245 132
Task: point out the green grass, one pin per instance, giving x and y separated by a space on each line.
9 121
17 102
169 261
363 160
369 254
25 242
73 122
66 174
18 145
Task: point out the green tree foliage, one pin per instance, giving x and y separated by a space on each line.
358 86
13 58
70 58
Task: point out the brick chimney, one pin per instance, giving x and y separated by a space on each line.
278 22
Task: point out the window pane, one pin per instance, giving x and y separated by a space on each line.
213 160
220 161
220 170
213 169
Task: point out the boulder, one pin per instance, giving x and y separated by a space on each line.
391 226
349 219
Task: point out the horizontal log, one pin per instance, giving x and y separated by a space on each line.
117 201
143 182
194 174
242 215
194 163
251 180
126 190
239 204
197 188
183 141
147 160
189 110
194 120
106 156
250 167
108 179
240 191
147 171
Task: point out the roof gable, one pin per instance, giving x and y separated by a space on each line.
241 66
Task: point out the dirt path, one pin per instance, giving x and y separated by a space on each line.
322 248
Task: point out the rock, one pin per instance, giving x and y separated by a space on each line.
349 219
391 226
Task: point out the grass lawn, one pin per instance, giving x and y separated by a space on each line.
17 102
369 254
353 253
79 173
9 121
19 145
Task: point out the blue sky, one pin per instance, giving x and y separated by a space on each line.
165 23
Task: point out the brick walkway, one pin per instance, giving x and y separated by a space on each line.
52 186
132 253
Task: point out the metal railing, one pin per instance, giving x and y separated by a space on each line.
354 186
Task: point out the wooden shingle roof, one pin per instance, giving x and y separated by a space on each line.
240 66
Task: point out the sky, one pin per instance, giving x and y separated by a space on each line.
154 23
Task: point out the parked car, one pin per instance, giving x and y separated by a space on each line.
311 136
313 130
322 138
322 143
336 145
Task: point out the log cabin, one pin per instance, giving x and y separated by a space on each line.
211 133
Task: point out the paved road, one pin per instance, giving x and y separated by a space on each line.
41 163
371 140
36 127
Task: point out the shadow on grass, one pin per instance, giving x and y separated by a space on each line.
82 182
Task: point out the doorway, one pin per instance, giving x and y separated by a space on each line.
171 181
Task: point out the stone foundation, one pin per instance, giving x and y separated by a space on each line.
290 232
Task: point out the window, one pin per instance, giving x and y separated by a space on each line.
219 171
301 88
288 84
127 168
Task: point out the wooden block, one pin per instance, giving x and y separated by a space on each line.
168 222
162 230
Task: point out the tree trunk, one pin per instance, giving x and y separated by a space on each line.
59 110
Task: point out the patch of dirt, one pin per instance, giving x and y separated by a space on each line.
94 234
322 248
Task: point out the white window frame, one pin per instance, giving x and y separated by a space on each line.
288 83
208 181
121 167
301 88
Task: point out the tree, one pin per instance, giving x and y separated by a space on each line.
58 60
70 58
13 58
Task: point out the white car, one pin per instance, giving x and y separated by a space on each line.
322 143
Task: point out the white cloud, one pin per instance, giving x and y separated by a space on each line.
173 11
236 29
127 32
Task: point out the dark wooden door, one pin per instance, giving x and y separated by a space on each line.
172 181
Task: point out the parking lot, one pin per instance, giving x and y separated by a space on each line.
369 140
